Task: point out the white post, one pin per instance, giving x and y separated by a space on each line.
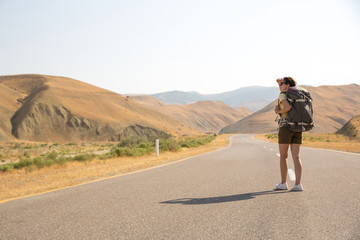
157 147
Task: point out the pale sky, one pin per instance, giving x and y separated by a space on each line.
208 46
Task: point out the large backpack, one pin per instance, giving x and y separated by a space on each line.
300 117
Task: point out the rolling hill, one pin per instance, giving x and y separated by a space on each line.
205 116
59 109
253 98
333 107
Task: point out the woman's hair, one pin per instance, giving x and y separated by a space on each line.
290 81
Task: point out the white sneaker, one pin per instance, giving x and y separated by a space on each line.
282 186
297 187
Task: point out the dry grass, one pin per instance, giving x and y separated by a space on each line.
322 140
23 182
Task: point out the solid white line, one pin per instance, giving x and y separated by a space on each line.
325 149
332 150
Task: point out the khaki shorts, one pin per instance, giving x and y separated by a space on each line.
286 136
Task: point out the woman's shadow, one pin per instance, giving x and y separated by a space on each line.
222 199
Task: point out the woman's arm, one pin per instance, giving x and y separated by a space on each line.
286 108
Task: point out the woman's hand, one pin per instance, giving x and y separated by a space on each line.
286 108
277 109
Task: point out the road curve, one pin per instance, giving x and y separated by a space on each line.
226 194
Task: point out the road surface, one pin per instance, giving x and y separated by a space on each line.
226 194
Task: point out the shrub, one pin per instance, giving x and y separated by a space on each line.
271 136
48 162
61 161
131 152
52 156
30 168
7 167
192 142
168 145
54 145
17 145
124 151
24 162
26 154
132 141
84 157
39 162
72 144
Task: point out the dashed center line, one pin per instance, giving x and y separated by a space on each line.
291 174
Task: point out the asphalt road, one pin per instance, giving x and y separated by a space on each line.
226 194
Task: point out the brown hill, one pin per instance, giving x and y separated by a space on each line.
205 116
60 109
149 101
333 107
8 106
244 111
351 128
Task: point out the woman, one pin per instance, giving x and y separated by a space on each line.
287 138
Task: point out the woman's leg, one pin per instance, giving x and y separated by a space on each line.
295 152
283 148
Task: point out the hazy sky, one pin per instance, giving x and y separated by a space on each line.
207 46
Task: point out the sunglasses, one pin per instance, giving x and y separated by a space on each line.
282 83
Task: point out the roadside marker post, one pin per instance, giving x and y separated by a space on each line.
157 147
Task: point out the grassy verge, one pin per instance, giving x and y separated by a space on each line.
88 166
128 147
322 140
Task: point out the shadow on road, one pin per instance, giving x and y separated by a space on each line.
222 199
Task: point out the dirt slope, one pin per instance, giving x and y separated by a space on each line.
351 128
333 107
60 109
205 116
8 106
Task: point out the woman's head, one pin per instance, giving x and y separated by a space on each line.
289 81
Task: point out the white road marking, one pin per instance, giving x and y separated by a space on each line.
291 174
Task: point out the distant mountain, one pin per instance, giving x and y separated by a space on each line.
205 116
179 97
58 109
333 107
253 98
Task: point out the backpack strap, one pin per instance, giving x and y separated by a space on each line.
299 100
300 123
